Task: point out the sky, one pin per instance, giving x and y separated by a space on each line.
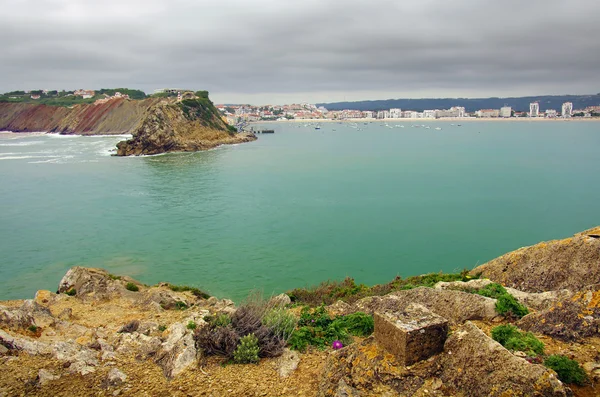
283 51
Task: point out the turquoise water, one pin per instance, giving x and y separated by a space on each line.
293 208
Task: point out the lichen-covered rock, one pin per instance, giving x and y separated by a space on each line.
368 369
412 335
533 300
569 319
94 283
45 376
178 351
287 363
572 263
475 365
115 377
455 306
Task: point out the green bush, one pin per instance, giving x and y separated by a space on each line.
503 333
358 324
71 292
514 339
195 291
493 290
247 350
191 325
508 306
33 328
569 371
132 287
179 305
281 321
162 328
318 329
220 320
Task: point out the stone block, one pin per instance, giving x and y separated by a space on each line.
412 335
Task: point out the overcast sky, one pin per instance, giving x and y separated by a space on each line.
276 51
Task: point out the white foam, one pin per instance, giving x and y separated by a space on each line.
28 143
57 135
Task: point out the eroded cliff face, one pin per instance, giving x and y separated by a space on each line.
572 263
187 126
117 116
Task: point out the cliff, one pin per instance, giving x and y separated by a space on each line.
117 116
158 125
571 263
186 126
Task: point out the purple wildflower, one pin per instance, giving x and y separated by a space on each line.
337 345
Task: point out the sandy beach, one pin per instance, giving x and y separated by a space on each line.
445 119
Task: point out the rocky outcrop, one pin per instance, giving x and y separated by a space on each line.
476 365
568 319
86 282
455 306
118 116
175 127
533 300
572 263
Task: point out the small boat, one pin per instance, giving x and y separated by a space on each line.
438 128
318 127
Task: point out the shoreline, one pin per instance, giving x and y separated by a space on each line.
445 119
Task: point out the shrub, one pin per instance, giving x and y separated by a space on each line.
358 324
130 327
318 329
216 341
508 306
503 333
220 320
348 291
281 321
257 317
113 277
71 292
191 325
195 291
33 328
247 351
179 305
493 290
162 328
568 371
514 339
132 287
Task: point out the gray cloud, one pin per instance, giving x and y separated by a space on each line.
272 51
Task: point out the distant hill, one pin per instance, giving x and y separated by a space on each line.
470 104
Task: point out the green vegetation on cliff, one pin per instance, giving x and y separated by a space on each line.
347 290
66 98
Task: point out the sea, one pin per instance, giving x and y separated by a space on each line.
309 203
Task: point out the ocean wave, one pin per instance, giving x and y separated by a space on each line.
28 143
57 135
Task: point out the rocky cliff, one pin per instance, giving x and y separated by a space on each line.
117 116
158 125
571 263
186 126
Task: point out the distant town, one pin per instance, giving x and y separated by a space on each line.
246 113
239 114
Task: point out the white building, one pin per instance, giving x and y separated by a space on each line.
395 113
383 114
534 109
368 114
551 113
505 111
567 109
429 114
